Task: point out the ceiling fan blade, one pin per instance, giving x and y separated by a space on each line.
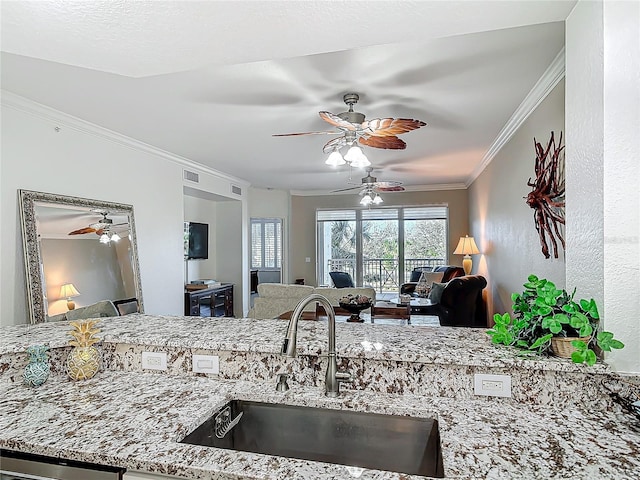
383 127
82 231
388 142
334 144
333 132
388 184
395 188
336 121
346 189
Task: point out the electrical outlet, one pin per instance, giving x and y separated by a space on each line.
206 364
154 360
492 385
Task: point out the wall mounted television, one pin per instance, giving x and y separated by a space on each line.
198 247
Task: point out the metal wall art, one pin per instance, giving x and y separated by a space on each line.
547 194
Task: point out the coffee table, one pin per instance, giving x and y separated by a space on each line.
417 305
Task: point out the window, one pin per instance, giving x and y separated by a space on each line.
266 243
380 246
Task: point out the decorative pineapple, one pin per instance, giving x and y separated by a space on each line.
37 370
83 361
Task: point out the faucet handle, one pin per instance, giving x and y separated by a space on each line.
344 377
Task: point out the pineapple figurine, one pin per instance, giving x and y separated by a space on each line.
37 370
83 361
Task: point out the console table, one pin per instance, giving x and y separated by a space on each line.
209 302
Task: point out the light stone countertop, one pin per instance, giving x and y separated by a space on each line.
419 344
134 420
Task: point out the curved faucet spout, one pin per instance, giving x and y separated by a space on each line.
333 377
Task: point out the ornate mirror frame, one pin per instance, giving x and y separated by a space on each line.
34 272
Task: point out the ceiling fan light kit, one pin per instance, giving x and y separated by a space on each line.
335 159
353 128
356 157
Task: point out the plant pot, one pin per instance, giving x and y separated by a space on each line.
561 346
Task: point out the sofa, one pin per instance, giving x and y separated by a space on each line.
105 308
274 299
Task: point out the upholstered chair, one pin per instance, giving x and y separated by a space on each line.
341 279
461 303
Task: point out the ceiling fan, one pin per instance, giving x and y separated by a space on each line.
376 133
99 228
371 183
370 188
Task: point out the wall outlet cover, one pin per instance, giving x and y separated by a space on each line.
154 361
206 364
492 385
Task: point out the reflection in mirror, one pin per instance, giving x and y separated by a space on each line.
78 252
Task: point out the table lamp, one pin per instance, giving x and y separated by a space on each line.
467 247
68 290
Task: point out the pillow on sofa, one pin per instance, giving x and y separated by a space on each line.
127 308
433 277
436 292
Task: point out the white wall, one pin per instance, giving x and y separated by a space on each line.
502 223
585 147
603 120
622 178
78 162
229 252
266 203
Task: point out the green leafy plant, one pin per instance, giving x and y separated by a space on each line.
542 312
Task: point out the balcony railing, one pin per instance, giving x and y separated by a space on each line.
381 273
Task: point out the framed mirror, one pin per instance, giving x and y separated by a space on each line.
77 251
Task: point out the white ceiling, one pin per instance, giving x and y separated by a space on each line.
212 81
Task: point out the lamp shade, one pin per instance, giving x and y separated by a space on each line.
466 246
68 290
335 159
357 158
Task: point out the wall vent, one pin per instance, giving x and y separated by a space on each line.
191 176
235 189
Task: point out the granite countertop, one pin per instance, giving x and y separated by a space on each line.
134 420
419 344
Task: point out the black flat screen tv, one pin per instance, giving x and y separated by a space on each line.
198 241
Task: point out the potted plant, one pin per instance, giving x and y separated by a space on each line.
545 316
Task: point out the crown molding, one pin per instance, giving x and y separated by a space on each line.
543 87
43 112
408 188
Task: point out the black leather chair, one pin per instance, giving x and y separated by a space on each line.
461 303
341 280
449 272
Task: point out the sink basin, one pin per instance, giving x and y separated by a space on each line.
382 442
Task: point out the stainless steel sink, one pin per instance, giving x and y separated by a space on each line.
382 442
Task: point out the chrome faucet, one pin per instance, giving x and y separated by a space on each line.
333 377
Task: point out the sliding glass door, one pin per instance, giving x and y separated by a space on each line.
380 246
380 249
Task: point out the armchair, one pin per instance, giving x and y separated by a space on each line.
341 279
461 303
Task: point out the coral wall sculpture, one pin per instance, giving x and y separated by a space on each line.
547 194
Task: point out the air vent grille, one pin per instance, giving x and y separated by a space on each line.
191 176
235 189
